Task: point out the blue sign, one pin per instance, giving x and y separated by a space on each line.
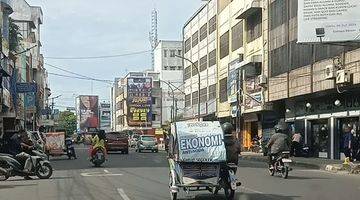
29 101
26 87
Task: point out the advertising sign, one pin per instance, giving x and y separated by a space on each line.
200 141
89 113
252 88
30 102
335 20
55 142
139 101
26 87
233 74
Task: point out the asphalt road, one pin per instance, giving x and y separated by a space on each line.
144 176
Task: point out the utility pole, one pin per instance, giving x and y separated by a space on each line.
198 73
53 105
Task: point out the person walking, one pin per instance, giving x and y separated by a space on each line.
348 137
355 146
295 145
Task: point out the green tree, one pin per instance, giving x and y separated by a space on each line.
15 36
67 122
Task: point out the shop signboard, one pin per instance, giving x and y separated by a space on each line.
30 102
330 20
253 89
26 87
139 101
232 81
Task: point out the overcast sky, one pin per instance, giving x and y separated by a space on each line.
106 27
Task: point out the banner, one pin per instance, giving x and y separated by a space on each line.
233 75
88 112
30 102
55 142
200 142
139 101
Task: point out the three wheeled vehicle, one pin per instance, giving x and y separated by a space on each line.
197 159
58 145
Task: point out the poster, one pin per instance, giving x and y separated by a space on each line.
200 142
139 101
233 75
30 102
338 19
88 113
55 142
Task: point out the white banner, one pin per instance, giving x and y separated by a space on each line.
200 142
339 19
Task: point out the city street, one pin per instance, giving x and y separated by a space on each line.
144 176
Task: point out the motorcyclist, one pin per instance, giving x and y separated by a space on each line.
21 147
98 142
232 144
278 142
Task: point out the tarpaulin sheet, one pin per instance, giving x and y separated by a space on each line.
200 142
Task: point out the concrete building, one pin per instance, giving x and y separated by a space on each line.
200 46
105 116
170 69
114 91
145 116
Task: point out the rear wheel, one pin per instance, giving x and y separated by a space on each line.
4 175
285 172
271 170
229 193
44 171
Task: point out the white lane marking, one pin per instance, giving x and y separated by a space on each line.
122 194
106 171
97 174
251 190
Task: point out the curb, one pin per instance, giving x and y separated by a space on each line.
295 163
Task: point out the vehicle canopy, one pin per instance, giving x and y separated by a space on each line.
197 142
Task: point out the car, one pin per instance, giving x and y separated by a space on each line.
147 142
117 141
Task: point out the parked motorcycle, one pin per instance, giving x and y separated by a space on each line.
98 157
281 165
40 167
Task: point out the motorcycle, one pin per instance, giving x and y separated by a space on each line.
98 156
40 167
70 150
281 165
228 180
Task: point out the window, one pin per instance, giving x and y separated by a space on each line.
165 53
212 58
223 97
195 97
179 67
203 32
187 73
188 100
254 28
212 92
279 60
153 99
203 63
179 52
172 53
212 24
237 36
203 95
153 117
187 45
172 67
277 13
195 38
165 67
224 45
194 68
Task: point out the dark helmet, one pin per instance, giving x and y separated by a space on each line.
227 128
281 127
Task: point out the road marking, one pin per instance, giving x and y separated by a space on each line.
106 171
122 194
251 190
97 174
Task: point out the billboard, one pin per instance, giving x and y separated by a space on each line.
88 113
139 101
334 20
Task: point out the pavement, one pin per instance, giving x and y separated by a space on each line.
144 176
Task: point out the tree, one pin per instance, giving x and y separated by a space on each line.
15 36
67 122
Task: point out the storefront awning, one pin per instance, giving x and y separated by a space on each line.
250 7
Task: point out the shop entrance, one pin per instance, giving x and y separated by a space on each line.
319 138
341 123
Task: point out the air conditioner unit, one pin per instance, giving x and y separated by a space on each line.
262 79
342 76
330 72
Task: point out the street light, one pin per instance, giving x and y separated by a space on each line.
198 73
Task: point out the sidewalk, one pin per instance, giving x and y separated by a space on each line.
312 163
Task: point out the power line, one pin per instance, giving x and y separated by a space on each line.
77 77
98 57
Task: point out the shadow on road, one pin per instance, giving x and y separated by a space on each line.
17 185
305 178
242 196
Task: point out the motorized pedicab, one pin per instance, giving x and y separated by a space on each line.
197 159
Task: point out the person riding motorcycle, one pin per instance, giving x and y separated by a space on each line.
21 147
278 142
98 142
232 144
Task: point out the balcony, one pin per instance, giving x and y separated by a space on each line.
250 7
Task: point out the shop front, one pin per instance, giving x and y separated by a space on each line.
322 120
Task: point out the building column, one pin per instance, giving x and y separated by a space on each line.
306 131
332 137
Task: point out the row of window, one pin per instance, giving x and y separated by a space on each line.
197 37
208 93
171 53
173 67
205 62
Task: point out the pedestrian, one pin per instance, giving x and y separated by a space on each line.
355 145
295 145
347 143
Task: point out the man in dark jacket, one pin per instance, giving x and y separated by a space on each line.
278 142
232 144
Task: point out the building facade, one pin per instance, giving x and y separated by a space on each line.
170 69
200 47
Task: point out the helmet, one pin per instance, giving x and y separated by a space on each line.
227 128
281 127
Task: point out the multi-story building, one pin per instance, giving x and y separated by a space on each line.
200 47
138 103
114 91
170 69
105 116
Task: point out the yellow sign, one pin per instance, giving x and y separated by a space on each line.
159 131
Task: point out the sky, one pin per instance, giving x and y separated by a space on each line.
77 28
